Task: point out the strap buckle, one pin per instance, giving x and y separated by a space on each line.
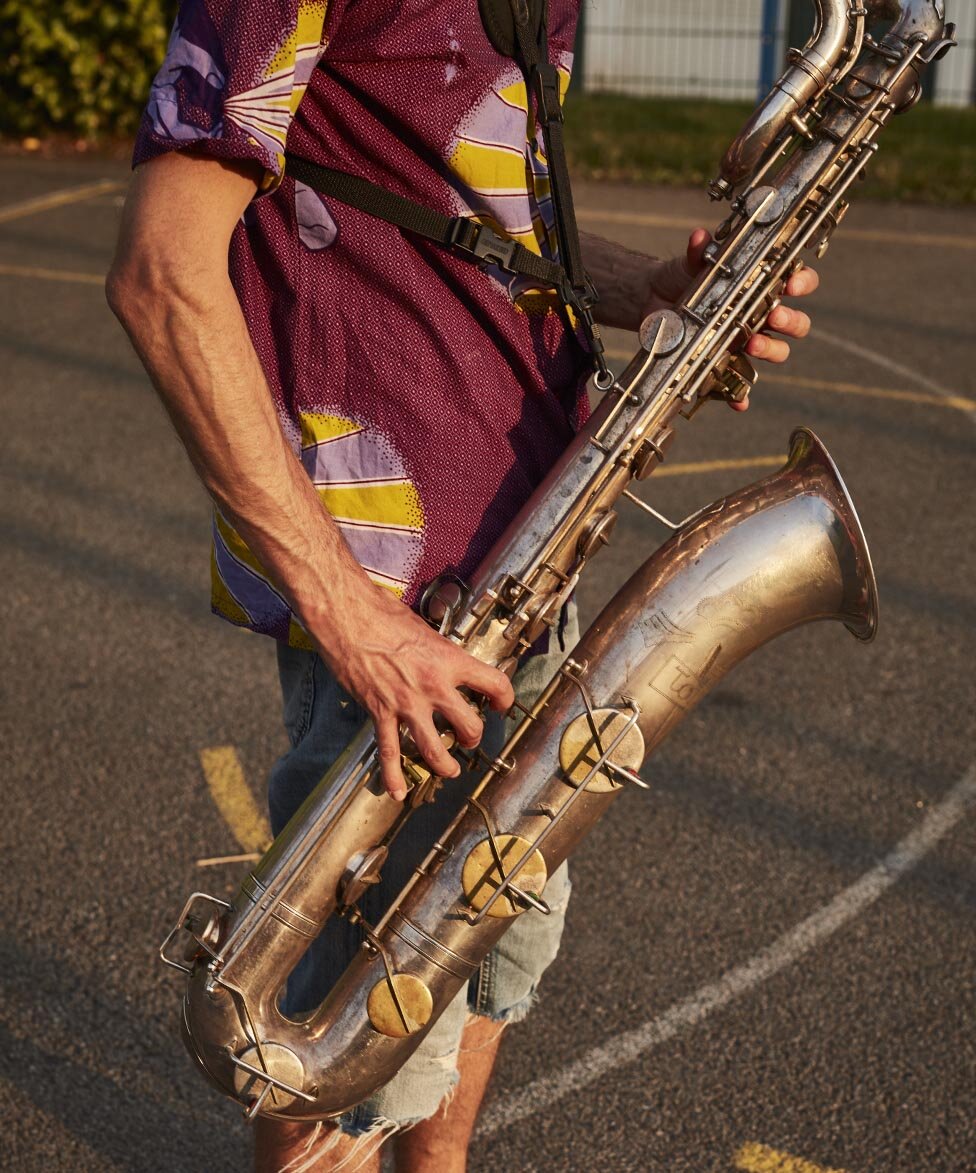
582 297
545 82
482 243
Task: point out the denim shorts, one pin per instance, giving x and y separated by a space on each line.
321 718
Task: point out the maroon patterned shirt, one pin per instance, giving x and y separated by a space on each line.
426 396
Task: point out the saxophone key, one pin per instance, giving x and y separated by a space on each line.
583 746
399 1005
485 877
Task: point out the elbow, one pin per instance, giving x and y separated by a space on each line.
132 288
120 293
145 287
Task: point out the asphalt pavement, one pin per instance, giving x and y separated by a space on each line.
770 954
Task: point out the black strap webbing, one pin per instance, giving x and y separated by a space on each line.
477 241
542 80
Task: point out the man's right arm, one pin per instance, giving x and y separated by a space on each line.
170 288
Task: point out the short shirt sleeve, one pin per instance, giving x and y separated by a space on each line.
234 73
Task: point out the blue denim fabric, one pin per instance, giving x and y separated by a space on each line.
321 719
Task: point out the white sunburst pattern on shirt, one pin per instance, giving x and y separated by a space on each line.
266 111
362 481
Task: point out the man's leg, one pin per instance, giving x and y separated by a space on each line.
440 1143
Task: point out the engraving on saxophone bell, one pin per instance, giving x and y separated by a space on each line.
677 682
659 627
280 1063
480 876
661 332
579 750
400 1006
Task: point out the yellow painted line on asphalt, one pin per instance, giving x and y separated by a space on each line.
225 777
214 861
697 466
51 274
58 199
870 235
760 1158
641 219
958 402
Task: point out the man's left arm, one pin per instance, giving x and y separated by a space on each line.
632 285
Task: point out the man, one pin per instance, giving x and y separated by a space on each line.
367 410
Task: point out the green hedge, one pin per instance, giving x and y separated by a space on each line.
80 67
926 154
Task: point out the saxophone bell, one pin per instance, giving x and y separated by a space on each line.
784 551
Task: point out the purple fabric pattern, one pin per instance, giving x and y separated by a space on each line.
186 99
316 228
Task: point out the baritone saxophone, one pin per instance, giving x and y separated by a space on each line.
784 551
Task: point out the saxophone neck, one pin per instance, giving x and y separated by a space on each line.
832 48
839 34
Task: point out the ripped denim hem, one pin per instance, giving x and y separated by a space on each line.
511 1014
363 1120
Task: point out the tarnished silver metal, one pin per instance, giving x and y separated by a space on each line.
661 332
784 551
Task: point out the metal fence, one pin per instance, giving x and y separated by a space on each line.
729 49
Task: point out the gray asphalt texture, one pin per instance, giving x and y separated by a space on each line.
799 773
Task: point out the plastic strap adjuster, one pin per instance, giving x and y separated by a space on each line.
483 243
545 82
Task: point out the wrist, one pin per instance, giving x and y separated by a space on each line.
344 613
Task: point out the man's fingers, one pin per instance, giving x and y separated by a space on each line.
462 718
794 323
432 749
802 283
697 243
770 349
388 741
489 682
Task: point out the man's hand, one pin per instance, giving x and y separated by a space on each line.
669 280
403 672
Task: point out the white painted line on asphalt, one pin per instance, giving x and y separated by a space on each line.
214 861
787 950
31 271
889 364
58 199
940 398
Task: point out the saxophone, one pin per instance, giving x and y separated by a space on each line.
784 551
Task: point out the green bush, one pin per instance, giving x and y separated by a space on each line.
80 67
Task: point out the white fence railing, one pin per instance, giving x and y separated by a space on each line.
729 49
